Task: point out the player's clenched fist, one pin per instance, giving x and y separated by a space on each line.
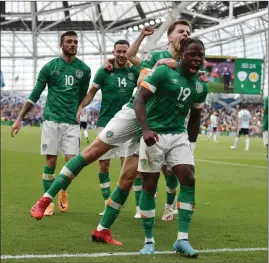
150 137
147 31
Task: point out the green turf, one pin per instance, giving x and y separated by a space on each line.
218 88
231 206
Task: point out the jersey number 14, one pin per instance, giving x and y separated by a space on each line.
122 82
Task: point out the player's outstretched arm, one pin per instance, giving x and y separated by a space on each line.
86 101
140 102
133 49
17 124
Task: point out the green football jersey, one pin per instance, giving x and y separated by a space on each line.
265 115
117 88
173 97
67 83
146 65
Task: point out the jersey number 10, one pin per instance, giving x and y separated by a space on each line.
69 80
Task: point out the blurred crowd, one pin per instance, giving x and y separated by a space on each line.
227 120
10 112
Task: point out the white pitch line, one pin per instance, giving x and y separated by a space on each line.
96 255
232 164
236 158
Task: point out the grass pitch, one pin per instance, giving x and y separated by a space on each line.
231 206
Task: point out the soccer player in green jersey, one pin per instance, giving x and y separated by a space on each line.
67 78
121 128
164 99
177 31
265 123
117 88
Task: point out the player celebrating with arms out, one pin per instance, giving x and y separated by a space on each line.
162 104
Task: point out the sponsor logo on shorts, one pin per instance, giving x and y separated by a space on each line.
199 87
143 163
131 76
109 134
44 147
79 74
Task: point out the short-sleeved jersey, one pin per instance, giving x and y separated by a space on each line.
173 97
67 83
117 88
265 115
213 121
244 117
147 64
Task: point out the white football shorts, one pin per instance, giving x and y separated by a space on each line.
60 137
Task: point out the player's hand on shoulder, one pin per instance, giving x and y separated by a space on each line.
150 137
171 63
203 76
108 67
147 31
15 127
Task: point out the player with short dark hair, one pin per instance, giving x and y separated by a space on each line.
161 106
67 78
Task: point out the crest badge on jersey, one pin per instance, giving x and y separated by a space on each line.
199 87
79 74
174 81
131 76
109 134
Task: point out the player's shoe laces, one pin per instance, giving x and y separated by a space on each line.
62 201
50 210
183 247
105 236
168 214
149 248
38 210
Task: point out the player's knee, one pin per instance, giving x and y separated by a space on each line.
104 166
51 160
185 173
149 182
95 150
189 175
125 184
